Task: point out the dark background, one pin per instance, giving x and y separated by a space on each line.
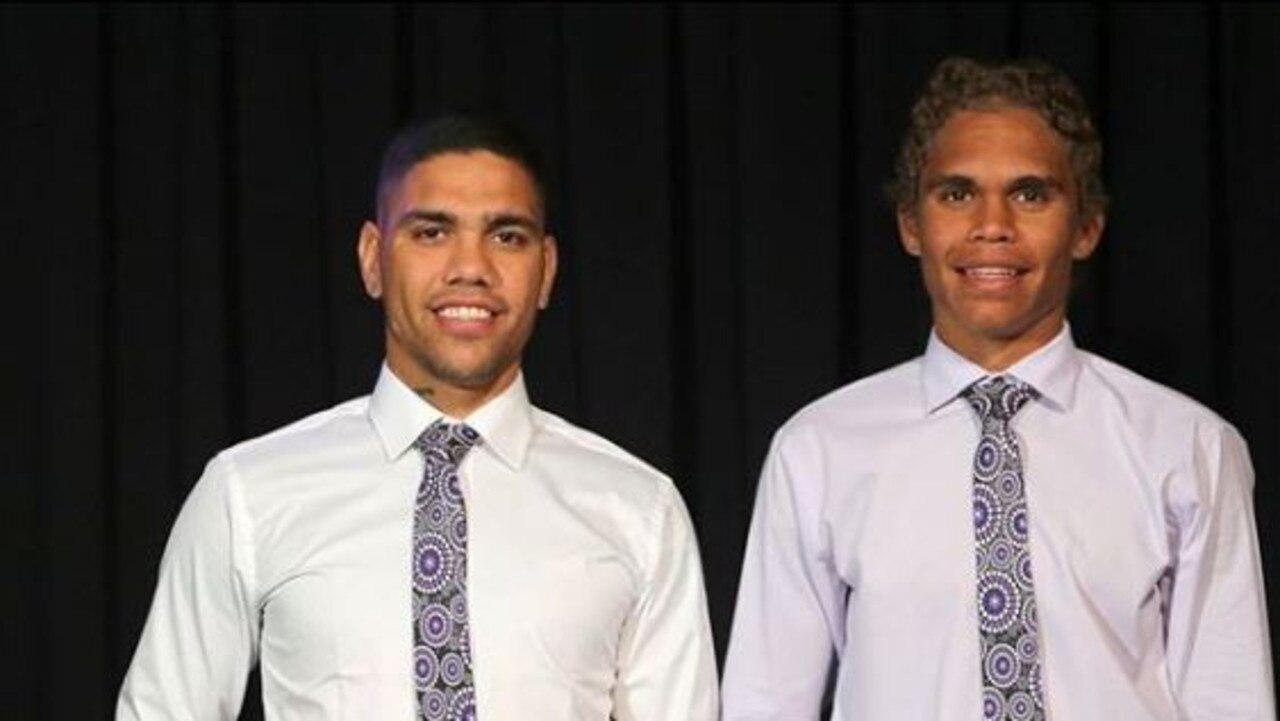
183 186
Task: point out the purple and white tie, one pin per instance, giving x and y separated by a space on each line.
441 631
1011 685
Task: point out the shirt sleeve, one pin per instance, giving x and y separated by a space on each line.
789 614
1218 646
666 660
197 647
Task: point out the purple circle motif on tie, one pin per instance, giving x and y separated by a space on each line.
433 563
452 669
1002 665
1000 556
1005 595
458 608
435 626
451 490
467 436
986 461
1027 648
992 704
463 706
434 705
981 403
1008 487
998 602
1020 706
1022 568
425 668
1028 615
440 626
1016 523
986 514
435 515
457 529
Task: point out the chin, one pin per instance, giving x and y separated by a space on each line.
474 376
466 378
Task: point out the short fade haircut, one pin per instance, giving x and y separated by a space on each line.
455 133
963 84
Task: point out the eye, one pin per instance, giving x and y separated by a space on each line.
513 237
427 233
1032 194
954 194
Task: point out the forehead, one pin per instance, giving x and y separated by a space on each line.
478 180
1005 139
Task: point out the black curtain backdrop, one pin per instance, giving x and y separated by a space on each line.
183 186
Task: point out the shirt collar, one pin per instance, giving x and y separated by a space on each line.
399 416
1052 370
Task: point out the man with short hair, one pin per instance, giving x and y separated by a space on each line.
440 549
1007 527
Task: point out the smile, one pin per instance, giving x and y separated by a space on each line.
465 312
991 272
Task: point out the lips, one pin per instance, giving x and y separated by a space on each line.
992 272
991 277
464 312
467 317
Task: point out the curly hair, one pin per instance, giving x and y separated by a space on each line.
963 84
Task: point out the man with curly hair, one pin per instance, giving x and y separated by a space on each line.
1006 526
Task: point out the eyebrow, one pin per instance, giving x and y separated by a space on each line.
492 221
1022 181
507 220
1029 181
950 181
426 216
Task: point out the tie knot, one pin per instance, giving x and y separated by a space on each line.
998 397
451 439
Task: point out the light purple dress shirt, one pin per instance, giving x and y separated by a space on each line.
1143 545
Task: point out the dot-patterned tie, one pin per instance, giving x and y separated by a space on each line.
441 632
1011 686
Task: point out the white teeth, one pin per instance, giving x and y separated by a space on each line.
464 312
991 272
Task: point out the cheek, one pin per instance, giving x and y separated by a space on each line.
935 262
410 276
524 279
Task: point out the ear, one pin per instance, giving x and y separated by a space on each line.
550 262
1088 236
909 231
369 251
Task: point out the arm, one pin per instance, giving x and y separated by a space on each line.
1219 657
790 603
666 662
198 645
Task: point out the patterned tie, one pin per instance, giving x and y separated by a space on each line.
441 636
1011 687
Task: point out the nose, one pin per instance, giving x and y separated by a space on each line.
469 262
993 221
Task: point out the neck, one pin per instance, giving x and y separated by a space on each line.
453 399
995 354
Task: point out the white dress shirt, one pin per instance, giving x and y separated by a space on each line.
1143 546
294 550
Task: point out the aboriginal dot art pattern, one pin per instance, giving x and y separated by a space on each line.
441 631
1008 630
